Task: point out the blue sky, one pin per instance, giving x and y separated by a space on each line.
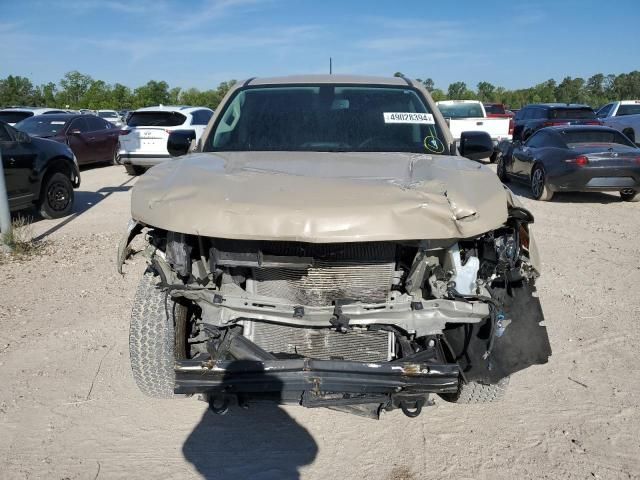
203 42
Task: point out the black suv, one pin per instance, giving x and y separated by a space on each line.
38 172
532 118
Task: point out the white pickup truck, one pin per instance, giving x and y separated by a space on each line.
470 115
624 116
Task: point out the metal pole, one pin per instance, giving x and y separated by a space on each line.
5 215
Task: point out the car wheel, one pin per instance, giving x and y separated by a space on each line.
151 338
539 187
116 158
134 170
476 392
630 134
630 196
501 169
56 199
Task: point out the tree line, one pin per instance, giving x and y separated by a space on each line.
596 91
77 90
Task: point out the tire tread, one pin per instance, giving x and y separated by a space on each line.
151 340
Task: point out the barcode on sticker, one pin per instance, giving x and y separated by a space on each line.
408 117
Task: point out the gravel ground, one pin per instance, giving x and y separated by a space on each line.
69 407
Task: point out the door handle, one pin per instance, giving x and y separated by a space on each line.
92 138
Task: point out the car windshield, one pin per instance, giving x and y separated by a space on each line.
107 114
14 117
576 138
41 126
630 109
337 118
495 109
572 113
460 110
156 119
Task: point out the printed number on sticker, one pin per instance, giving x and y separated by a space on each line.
408 117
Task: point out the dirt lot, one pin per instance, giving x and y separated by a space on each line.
69 407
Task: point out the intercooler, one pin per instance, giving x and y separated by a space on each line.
321 344
360 272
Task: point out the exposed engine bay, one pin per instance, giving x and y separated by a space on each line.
359 326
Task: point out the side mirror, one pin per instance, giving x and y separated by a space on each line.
179 142
22 137
476 145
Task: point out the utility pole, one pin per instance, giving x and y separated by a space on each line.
330 66
5 215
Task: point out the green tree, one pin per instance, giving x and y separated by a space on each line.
570 90
17 90
152 93
73 87
48 92
429 84
437 94
98 96
486 91
459 91
174 95
121 96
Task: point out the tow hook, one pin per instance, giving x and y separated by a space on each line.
413 407
219 404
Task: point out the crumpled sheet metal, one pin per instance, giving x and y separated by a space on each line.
321 197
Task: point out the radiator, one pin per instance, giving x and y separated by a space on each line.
321 344
352 271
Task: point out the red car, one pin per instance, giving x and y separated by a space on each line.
91 138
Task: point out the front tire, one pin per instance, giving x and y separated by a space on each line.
476 392
56 199
151 338
632 196
539 187
116 158
501 169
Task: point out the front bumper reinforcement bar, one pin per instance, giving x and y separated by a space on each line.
300 375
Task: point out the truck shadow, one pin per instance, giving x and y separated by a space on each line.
262 442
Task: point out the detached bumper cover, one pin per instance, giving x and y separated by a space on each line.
300 375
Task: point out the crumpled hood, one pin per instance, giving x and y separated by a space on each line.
321 197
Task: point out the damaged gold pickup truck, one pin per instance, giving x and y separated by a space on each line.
326 244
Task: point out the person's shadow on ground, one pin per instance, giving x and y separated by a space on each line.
263 442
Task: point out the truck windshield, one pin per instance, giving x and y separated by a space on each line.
460 110
333 118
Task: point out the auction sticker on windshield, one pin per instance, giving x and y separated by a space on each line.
408 117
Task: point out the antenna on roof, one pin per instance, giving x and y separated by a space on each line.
330 66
